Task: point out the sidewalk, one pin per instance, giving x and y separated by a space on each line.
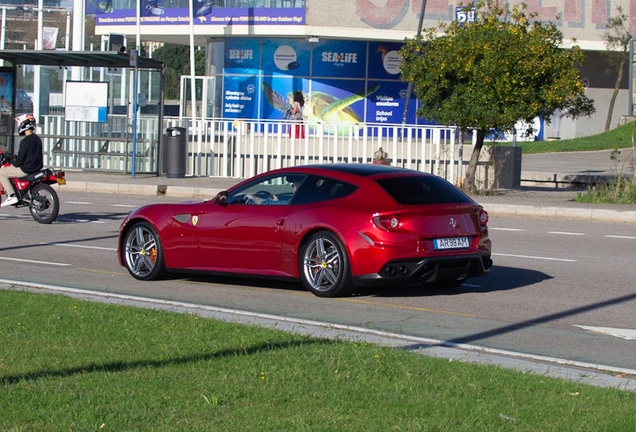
544 202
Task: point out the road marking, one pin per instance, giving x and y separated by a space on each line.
621 237
14 216
535 257
507 229
78 202
124 205
60 219
34 262
78 246
616 332
471 285
566 233
80 220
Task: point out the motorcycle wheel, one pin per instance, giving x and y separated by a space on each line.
45 204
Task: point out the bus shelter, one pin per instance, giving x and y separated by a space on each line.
107 115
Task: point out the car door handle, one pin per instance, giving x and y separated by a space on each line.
280 222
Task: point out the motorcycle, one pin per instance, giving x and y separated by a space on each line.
35 191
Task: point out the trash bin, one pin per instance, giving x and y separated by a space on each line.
175 152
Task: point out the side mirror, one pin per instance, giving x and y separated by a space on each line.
221 198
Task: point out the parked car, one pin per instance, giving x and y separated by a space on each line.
23 102
345 226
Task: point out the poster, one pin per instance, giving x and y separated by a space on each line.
240 97
339 101
387 104
336 58
205 12
384 60
286 57
242 56
7 90
278 94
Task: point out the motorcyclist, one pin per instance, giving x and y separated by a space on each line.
28 161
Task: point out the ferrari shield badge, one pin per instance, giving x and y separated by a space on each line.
195 220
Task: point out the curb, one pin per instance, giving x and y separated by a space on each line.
593 215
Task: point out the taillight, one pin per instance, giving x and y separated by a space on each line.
483 217
387 223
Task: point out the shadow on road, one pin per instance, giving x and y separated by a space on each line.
499 279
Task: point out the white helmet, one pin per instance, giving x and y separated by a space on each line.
25 122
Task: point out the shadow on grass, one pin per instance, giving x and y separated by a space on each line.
119 366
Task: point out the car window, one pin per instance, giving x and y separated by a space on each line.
318 189
275 190
422 190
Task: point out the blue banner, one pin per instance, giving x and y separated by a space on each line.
386 105
384 60
153 12
240 96
242 56
338 58
286 57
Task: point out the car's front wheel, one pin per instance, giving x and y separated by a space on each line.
324 266
143 255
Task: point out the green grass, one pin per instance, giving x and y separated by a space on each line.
621 137
72 365
621 191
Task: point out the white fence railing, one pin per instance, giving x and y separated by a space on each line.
240 149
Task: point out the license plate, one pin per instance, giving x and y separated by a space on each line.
451 243
61 181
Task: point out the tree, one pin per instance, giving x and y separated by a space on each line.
617 41
177 59
489 74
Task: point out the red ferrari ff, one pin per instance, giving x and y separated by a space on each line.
335 227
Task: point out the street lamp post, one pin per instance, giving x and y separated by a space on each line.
4 30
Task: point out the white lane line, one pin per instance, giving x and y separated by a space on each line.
80 220
78 246
535 257
78 202
566 233
15 216
471 285
34 262
125 205
621 237
627 334
507 229
60 218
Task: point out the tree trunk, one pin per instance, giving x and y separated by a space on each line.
617 87
469 182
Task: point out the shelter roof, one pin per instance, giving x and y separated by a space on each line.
111 59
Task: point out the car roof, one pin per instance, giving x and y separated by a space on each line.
351 172
363 170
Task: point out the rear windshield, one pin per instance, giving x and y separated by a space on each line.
422 190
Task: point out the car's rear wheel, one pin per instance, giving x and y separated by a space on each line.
324 266
143 254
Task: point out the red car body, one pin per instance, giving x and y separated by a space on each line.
347 226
